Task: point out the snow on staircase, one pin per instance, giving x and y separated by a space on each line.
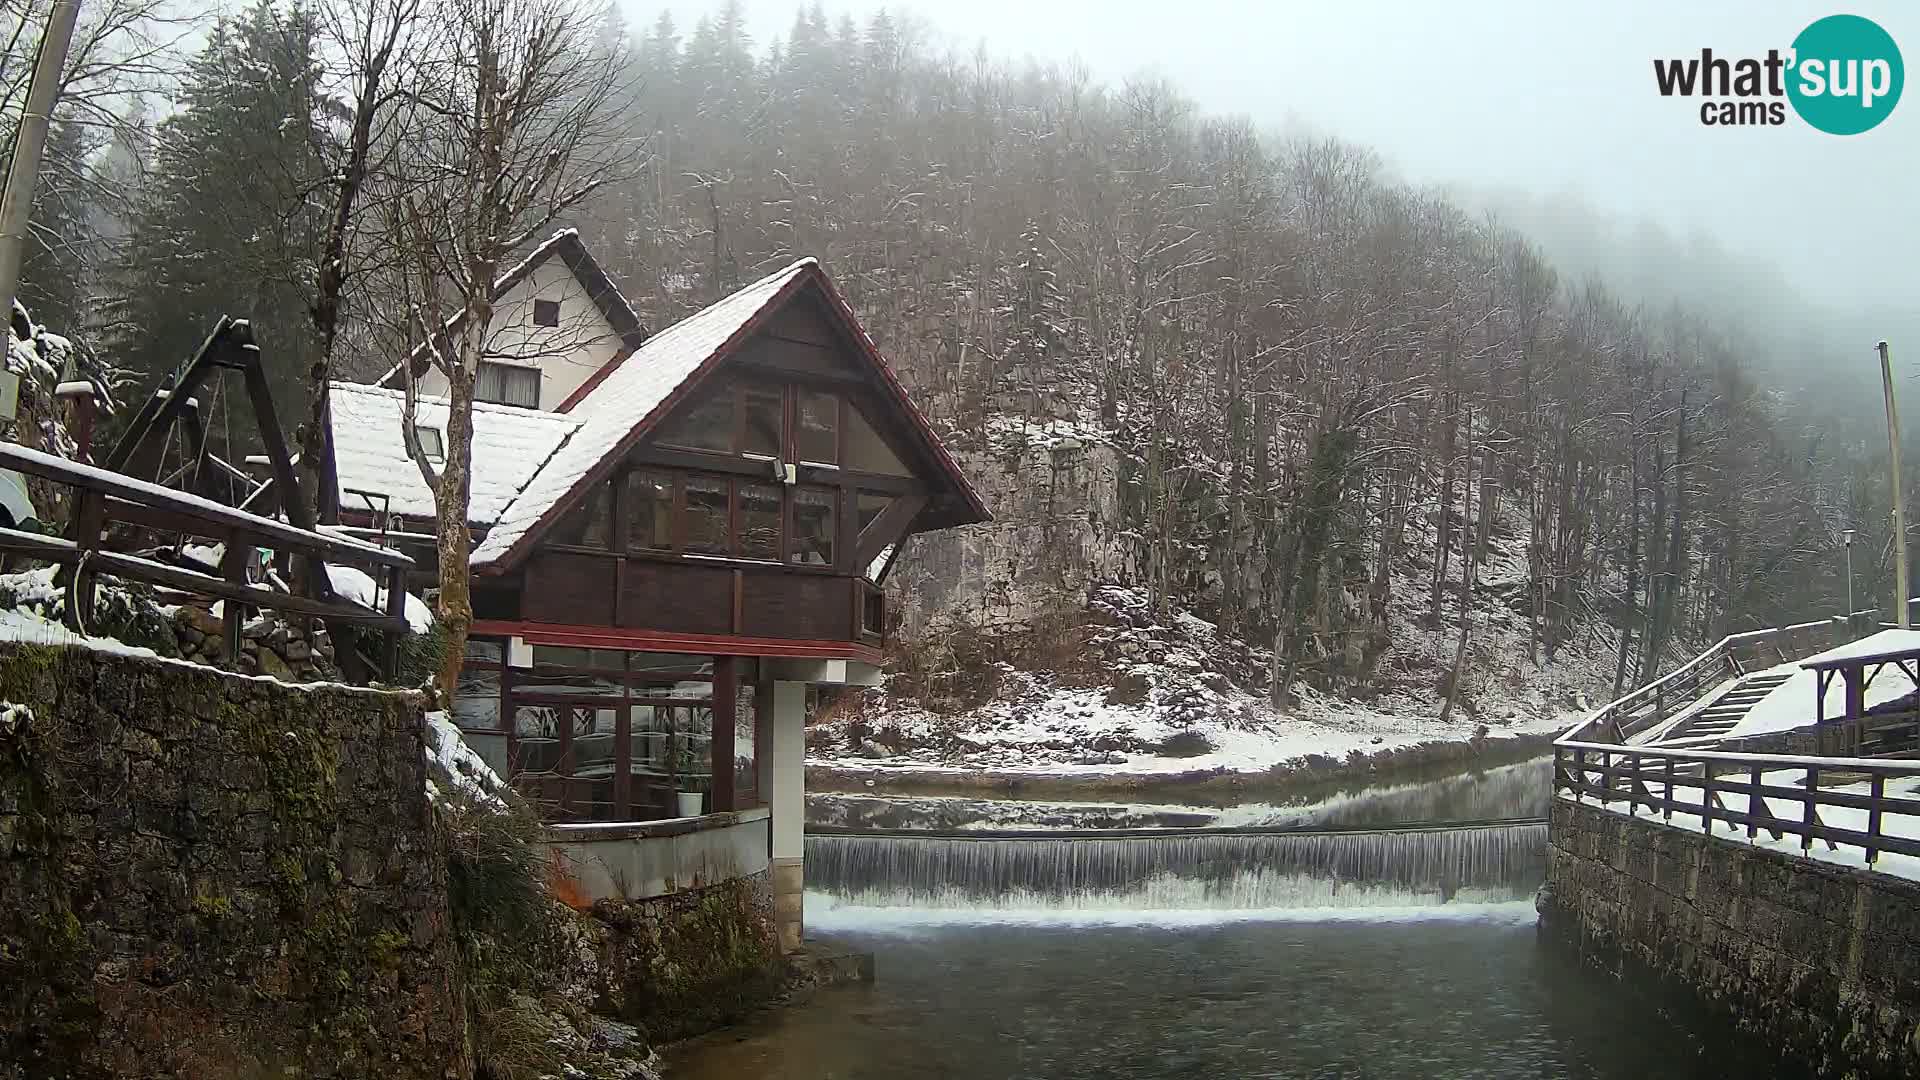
1723 712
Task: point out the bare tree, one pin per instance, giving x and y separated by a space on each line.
516 122
369 38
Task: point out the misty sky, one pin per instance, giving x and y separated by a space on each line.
1547 98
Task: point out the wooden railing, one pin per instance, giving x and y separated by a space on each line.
1736 654
1696 783
103 498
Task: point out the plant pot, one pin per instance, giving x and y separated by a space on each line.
690 802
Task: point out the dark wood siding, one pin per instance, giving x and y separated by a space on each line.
809 606
562 587
678 597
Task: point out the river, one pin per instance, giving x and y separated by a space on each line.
1179 957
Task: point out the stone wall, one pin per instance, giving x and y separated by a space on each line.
213 876
1815 958
691 961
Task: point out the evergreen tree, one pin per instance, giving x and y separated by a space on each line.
230 220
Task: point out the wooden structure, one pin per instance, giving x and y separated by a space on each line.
709 513
101 497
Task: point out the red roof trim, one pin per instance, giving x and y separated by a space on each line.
613 637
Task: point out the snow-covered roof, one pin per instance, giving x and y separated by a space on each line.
1886 644
509 446
629 395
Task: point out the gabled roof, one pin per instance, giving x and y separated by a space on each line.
566 246
630 395
509 446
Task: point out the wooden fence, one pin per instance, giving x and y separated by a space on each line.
103 498
1696 782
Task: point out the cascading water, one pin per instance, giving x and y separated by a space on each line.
1192 869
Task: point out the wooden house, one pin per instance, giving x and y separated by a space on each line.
671 546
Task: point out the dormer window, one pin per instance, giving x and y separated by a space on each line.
546 313
433 444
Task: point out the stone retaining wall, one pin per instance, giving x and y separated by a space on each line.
1820 960
685 963
216 877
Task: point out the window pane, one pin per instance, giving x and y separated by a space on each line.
650 739
765 408
746 777
705 425
507 384
476 701
759 521
649 510
593 742
546 313
485 649
678 663
813 527
816 427
586 524
866 451
707 515
542 684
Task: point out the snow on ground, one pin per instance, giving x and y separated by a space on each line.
1067 732
1892 822
1791 704
1146 678
451 763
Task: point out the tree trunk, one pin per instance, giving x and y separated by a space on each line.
450 521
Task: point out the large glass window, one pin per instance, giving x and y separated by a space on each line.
813 532
649 510
816 426
587 524
706 424
707 516
765 406
759 521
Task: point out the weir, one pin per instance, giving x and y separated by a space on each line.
1481 862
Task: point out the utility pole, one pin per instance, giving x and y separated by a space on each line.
1899 513
29 142
1846 537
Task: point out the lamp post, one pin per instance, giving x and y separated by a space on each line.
1846 537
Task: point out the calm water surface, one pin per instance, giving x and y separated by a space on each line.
1463 993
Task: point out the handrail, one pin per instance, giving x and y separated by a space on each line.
102 496
1621 708
1612 774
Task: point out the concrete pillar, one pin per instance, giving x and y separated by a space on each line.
786 803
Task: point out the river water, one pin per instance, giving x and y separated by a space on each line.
1177 957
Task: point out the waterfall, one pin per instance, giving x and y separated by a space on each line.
1190 869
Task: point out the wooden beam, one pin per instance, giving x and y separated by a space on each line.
887 528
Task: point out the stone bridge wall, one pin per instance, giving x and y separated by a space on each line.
203 875
1819 960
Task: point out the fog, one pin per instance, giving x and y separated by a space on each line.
1549 105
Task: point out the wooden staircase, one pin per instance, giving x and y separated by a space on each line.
1724 712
